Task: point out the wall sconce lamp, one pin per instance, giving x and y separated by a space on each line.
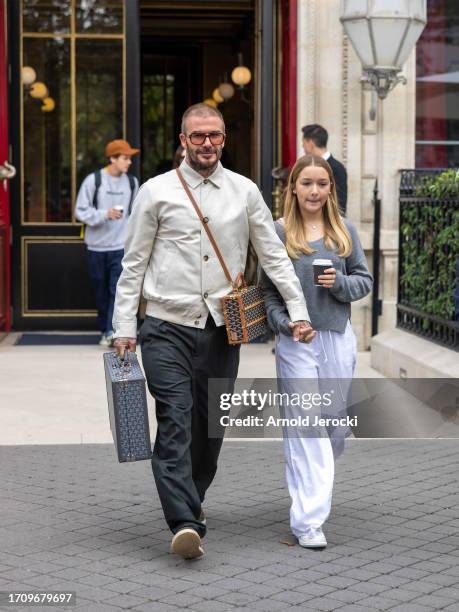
36 89
48 105
28 75
383 34
225 89
217 96
241 76
210 102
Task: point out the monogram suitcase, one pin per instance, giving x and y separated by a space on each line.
127 407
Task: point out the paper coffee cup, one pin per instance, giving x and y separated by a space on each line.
120 208
319 266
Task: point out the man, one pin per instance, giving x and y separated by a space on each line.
315 138
104 204
184 341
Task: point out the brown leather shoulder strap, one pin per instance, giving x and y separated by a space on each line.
206 226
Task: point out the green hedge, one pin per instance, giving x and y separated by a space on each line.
440 187
430 246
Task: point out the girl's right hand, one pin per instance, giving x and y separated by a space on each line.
302 331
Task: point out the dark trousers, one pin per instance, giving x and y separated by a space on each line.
178 362
104 270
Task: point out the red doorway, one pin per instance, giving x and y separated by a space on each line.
5 319
289 82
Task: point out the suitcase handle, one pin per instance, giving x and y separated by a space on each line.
124 365
122 361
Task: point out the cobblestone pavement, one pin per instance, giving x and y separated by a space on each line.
73 519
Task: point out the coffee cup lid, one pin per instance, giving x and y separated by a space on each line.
322 262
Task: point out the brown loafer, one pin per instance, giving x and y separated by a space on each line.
187 544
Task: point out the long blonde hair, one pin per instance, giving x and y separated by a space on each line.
336 237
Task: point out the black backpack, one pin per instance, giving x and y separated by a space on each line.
98 180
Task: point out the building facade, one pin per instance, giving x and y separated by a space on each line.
416 126
128 69
84 72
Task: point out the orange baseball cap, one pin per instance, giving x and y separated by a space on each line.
120 147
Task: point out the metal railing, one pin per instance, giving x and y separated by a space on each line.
410 179
428 250
376 302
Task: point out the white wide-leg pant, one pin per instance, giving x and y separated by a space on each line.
310 463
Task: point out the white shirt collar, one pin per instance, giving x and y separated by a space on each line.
194 179
326 155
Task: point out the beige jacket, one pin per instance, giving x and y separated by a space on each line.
169 255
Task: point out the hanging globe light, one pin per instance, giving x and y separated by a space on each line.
38 90
241 76
216 96
226 90
48 105
210 102
28 75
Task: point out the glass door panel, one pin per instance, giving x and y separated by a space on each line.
99 101
99 16
70 82
46 16
47 133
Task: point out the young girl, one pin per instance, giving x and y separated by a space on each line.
312 228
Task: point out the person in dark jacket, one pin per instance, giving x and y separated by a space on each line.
315 138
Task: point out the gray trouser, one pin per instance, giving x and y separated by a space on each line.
178 362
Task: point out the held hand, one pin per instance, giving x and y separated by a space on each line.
121 344
328 278
114 214
302 331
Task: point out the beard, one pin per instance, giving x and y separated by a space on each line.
200 165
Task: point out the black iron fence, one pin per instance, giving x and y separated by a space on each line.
428 252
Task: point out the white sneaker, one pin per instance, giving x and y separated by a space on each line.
187 544
314 539
105 341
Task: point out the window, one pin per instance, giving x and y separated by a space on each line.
47 134
99 100
73 99
437 87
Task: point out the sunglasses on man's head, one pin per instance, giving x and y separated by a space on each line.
199 138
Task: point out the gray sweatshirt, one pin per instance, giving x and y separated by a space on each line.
102 233
329 309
